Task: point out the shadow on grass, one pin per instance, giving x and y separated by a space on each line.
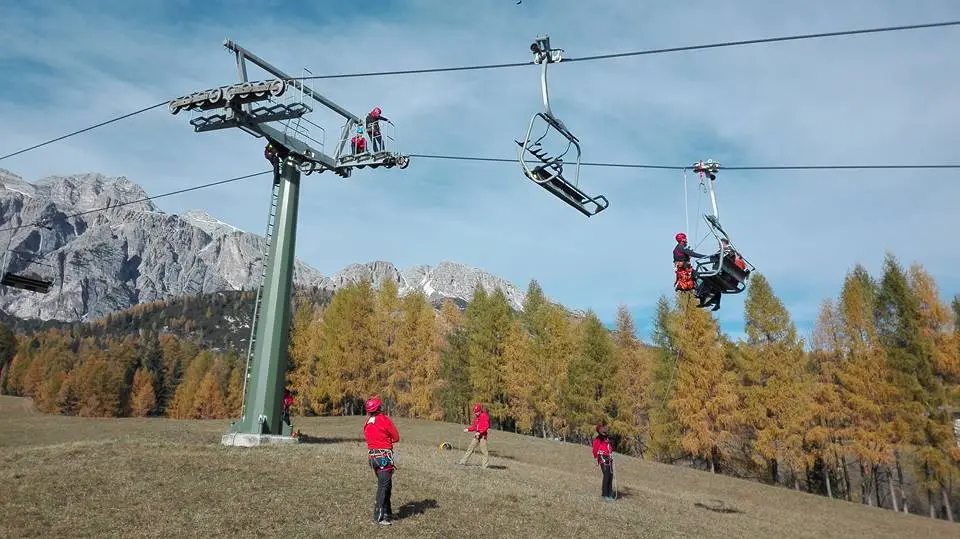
411 509
307 439
718 506
623 493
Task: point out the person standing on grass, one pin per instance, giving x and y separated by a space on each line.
481 423
603 454
381 434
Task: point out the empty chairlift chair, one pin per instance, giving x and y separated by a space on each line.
27 272
546 169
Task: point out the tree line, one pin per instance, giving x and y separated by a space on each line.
864 412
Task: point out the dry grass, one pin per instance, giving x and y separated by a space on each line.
73 477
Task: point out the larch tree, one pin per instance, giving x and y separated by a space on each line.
665 428
454 386
418 351
635 364
938 458
705 398
592 379
304 357
488 320
392 369
909 361
349 350
143 399
8 348
865 383
776 394
831 418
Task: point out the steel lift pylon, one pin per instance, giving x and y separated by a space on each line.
242 106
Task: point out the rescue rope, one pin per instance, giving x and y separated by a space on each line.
686 204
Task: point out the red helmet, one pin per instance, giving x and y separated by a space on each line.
372 404
477 408
375 112
681 237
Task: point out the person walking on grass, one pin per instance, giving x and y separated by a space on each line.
381 434
481 423
603 454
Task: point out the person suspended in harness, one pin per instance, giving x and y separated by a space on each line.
381 434
481 423
681 261
373 129
275 153
603 454
358 143
287 403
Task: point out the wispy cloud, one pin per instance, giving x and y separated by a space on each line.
872 99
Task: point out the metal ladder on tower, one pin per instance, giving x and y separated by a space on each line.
271 221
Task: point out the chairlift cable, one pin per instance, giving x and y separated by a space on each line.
687 48
84 130
682 167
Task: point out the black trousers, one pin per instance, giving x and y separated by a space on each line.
382 509
607 485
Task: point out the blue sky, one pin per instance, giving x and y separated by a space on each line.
887 98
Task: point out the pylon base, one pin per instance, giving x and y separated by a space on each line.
241 439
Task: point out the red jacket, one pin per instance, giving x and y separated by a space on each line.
481 423
380 432
601 446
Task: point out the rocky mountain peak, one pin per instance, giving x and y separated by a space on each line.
105 260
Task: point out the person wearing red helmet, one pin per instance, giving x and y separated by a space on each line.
603 454
681 261
373 128
481 423
381 434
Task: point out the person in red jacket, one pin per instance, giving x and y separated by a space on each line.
481 423
381 434
603 454
287 403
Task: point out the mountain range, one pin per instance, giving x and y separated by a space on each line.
107 247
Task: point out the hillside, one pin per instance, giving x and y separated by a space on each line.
68 477
106 249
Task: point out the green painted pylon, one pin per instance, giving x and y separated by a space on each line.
263 403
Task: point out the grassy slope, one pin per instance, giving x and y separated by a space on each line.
65 476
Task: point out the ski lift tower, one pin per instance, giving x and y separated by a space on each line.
292 148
